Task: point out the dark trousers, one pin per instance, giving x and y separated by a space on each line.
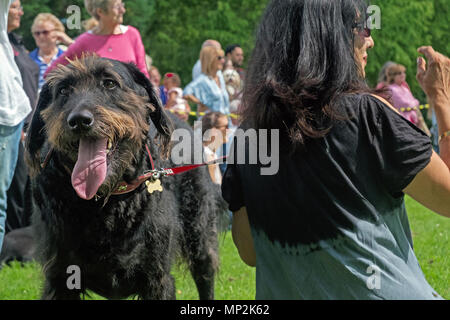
16 214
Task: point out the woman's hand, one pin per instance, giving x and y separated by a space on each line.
434 79
63 38
201 106
192 98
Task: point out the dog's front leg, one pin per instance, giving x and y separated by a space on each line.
159 289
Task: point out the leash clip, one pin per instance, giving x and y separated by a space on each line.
156 174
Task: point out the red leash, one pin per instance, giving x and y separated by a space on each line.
155 174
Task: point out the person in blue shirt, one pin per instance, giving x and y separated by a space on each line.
208 90
47 31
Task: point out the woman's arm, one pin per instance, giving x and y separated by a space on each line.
431 186
242 237
192 98
212 173
140 55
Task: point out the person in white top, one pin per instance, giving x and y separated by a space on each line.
214 133
14 107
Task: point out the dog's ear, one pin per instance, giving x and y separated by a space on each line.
158 115
35 136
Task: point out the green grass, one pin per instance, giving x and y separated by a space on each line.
431 238
236 281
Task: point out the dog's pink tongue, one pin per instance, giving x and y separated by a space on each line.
90 170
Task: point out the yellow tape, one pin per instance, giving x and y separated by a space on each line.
235 116
422 106
193 113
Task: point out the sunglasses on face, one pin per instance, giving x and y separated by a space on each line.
220 57
44 33
119 6
362 30
17 8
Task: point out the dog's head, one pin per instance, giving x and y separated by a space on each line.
96 112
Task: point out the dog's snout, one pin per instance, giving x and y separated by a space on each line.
80 120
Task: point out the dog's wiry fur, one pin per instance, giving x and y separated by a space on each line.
123 244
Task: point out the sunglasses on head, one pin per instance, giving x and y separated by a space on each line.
45 33
362 30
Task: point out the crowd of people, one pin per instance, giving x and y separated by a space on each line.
282 95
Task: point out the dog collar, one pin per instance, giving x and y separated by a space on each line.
154 174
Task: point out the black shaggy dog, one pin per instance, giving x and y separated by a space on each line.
89 135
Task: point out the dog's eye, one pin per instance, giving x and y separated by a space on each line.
109 84
64 91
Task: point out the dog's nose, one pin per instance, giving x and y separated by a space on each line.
80 120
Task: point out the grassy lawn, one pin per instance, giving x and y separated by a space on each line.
431 235
235 279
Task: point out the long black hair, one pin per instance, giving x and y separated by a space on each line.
302 62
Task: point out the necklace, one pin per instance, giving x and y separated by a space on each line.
48 57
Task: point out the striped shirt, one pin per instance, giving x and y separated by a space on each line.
42 65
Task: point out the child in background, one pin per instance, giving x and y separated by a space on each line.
175 101
214 133
155 77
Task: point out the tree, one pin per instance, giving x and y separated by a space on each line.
176 33
173 30
405 26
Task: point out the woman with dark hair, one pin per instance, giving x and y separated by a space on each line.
331 223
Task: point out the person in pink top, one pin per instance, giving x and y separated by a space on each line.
109 39
402 98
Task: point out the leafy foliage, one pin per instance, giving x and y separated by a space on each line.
405 26
173 30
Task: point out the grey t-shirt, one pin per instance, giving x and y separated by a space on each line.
331 224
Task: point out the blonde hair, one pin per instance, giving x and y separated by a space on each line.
92 6
208 56
148 61
392 71
47 17
89 24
